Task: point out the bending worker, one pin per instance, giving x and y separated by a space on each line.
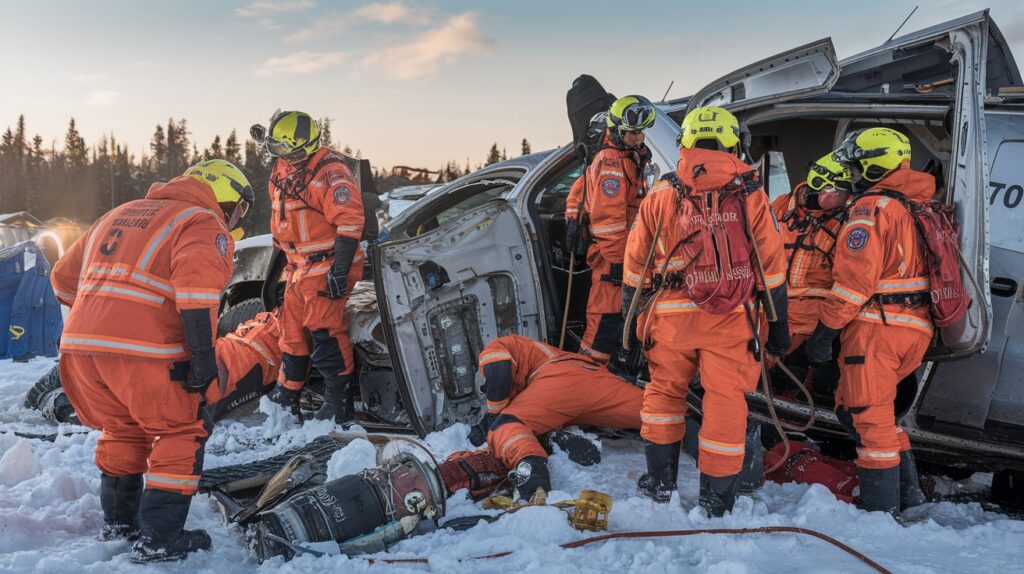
606 198
704 315
879 308
162 261
316 219
533 388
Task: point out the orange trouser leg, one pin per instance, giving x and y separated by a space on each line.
727 373
130 399
874 359
241 375
123 448
554 399
294 341
604 311
664 406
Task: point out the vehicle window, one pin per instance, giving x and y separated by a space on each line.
1006 196
450 204
550 199
778 177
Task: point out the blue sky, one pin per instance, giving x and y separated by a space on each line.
404 81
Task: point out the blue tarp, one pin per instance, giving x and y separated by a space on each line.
30 317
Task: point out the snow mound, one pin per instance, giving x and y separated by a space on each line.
18 464
357 456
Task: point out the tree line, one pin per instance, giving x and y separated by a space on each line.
81 181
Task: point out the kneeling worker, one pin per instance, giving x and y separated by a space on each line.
161 261
533 388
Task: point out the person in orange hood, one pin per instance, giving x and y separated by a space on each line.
608 195
137 354
703 317
317 220
879 302
533 388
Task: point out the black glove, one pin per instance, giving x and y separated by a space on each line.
285 397
337 277
627 299
778 331
478 433
199 338
615 273
819 347
572 234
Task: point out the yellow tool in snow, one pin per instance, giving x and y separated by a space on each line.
587 512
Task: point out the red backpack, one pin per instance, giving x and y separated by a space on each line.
719 273
937 232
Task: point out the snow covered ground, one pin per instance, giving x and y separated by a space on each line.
50 514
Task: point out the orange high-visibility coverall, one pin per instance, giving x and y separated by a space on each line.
878 253
312 205
685 340
248 360
809 237
609 193
533 388
126 280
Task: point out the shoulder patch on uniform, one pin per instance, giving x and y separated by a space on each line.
610 187
857 239
342 195
859 211
222 244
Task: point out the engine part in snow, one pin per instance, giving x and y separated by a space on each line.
301 472
580 449
375 502
479 471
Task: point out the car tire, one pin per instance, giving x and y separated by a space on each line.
237 314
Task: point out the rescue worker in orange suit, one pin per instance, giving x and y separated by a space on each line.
809 224
879 309
533 388
609 193
683 339
316 219
137 353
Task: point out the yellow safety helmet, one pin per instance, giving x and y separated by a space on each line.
631 113
293 136
710 123
874 152
826 172
229 186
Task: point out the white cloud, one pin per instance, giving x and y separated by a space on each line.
259 9
301 63
389 13
102 98
424 54
83 78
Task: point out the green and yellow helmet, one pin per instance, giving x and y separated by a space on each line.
631 113
710 123
229 185
293 136
827 172
874 152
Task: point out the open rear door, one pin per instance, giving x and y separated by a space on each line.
810 69
442 296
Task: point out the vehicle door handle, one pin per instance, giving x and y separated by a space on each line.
1003 287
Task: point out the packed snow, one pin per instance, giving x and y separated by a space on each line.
50 514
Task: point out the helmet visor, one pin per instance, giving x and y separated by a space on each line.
283 150
638 117
821 178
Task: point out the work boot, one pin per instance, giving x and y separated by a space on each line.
911 494
579 448
752 474
339 402
119 498
718 493
659 482
879 489
162 538
285 397
531 478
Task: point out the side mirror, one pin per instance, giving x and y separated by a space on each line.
652 172
258 133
